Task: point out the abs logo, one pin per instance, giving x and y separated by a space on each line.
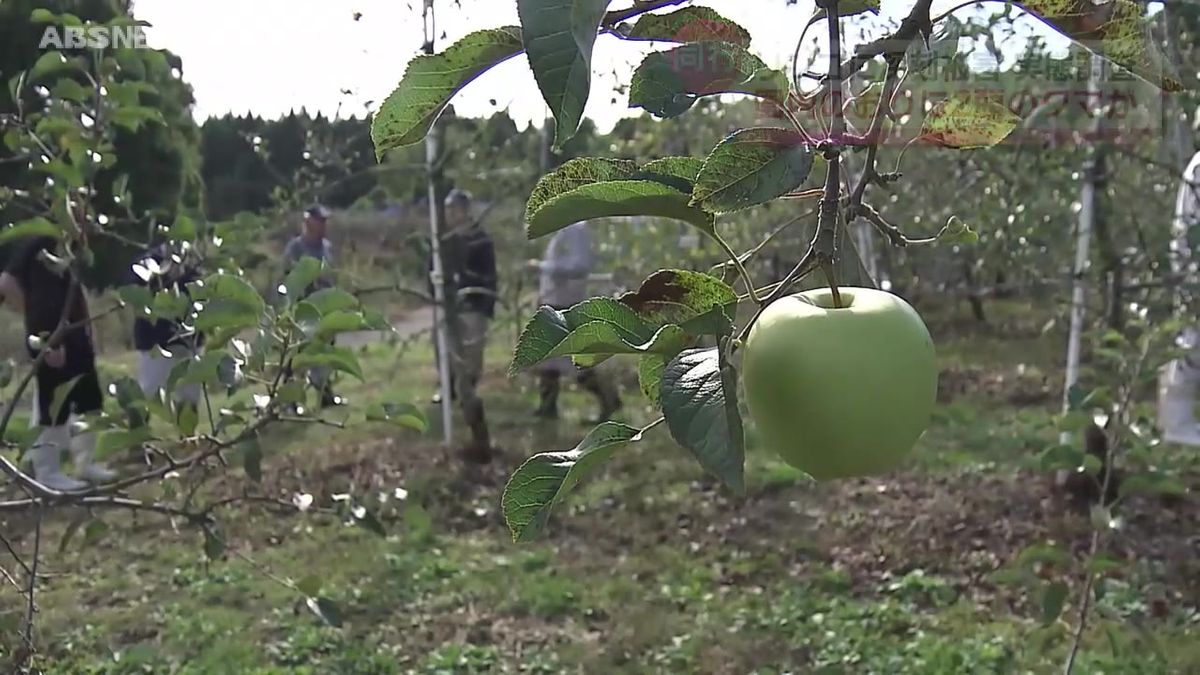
93 37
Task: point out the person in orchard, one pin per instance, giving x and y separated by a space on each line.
163 343
1180 379
563 282
471 272
312 242
39 283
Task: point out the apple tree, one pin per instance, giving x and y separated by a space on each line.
683 328
667 323
69 130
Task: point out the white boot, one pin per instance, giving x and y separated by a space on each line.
1177 403
83 450
46 458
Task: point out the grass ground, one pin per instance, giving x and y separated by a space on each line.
650 568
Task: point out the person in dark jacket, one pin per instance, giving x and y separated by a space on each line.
39 284
162 343
473 280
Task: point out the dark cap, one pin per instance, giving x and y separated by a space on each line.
458 197
317 211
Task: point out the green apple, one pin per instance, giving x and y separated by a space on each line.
840 392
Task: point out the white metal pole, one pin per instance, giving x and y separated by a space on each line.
1083 243
435 237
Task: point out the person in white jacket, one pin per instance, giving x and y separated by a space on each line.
1180 379
563 282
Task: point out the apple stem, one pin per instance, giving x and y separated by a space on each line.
831 277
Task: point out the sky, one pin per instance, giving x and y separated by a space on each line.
272 56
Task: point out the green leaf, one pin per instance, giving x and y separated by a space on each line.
170 305
587 188
252 456
751 167
34 227
326 610
404 415
310 585
957 232
650 372
338 358
432 80
329 300
340 321
214 544
184 229
549 328
699 303
232 303
669 83
1061 457
202 370
115 441
576 173
52 63
1054 596
233 288
187 419
559 36
61 392
690 24
617 198
70 90
302 275
539 484
1118 30
967 121
132 118
601 337
699 400
42 15
680 172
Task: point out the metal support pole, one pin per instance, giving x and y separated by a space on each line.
1083 243
432 151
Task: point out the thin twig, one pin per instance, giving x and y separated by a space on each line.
13 552
32 588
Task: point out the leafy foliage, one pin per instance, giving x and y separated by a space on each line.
699 400
543 480
690 24
432 80
669 83
558 37
752 167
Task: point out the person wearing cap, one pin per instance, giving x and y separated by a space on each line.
471 276
1180 379
563 282
313 243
